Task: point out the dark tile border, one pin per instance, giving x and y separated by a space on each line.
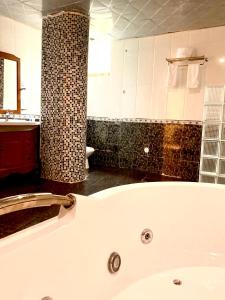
174 148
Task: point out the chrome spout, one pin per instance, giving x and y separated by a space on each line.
20 202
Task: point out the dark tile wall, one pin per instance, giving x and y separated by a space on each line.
174 148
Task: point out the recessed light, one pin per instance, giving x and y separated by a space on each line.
222 60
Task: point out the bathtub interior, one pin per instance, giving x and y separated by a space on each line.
66 257
196 283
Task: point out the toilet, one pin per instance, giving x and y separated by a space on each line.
89 152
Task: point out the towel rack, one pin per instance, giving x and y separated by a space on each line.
20 202
188 59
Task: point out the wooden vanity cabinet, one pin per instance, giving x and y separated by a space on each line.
19 150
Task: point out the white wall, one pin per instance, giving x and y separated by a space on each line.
24 42
139 68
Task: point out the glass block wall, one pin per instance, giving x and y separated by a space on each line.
212 165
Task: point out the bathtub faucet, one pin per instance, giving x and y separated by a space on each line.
20 202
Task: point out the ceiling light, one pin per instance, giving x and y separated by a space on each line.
222 60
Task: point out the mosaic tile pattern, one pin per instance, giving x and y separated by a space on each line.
64 97
174 149
1 82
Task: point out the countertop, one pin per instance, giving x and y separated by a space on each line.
17 125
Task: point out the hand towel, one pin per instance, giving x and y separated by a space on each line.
193 76
184 52
172 75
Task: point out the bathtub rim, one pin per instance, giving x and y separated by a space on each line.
140 185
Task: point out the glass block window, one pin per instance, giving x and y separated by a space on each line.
222 167
210 148
223 132
212 165
213 113
211 131
221 180
209 165
214 95
207 179
222 149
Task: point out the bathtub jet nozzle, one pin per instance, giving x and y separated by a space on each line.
177 282
114 263
146 236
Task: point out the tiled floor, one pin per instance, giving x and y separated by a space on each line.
97 180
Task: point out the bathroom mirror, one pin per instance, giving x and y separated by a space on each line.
9 83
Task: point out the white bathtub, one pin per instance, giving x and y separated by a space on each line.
66 258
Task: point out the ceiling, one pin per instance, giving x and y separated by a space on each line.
125 18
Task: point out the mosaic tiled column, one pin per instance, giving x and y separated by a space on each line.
64 96
1 82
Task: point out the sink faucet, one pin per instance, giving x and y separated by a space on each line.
7 115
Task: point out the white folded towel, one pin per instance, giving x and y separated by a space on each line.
172 75
193 76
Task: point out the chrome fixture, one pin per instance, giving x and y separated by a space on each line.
7 115
146 236
20 202
187 60
114 263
